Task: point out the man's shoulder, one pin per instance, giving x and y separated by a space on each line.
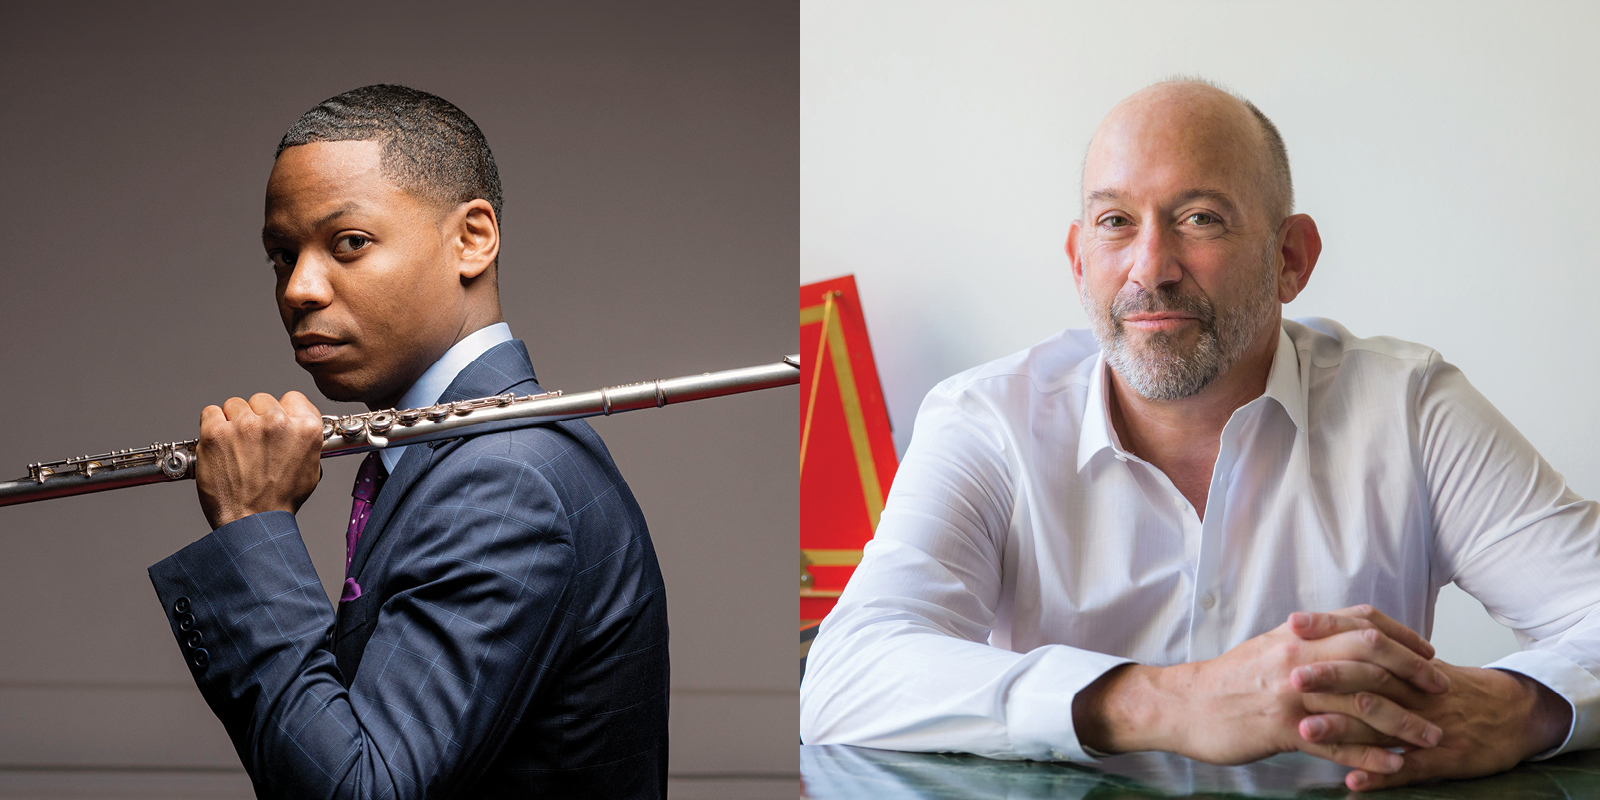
553 451
1328 345
1063 360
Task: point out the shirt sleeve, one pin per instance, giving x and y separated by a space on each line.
450 666
903 661
1510 532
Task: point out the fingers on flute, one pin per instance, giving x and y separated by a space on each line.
296 403
236 408
210 416
265 405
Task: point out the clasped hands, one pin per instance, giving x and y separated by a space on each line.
256 456
1350 686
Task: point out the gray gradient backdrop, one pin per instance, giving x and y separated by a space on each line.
650 159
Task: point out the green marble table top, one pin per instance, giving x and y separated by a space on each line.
839 772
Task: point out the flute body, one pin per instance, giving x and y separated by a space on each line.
375 430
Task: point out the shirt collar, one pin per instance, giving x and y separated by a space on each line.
1097 433
433 381
1283 382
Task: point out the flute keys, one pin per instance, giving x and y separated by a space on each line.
175 463
351 427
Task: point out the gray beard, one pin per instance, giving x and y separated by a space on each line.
1161 368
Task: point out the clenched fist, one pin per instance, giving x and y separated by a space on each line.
264 455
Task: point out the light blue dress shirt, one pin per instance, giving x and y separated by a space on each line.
428 388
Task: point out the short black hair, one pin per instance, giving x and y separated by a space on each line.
430 148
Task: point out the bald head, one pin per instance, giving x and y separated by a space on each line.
1198 125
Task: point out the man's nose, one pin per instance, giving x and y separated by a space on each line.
308 286
1155 258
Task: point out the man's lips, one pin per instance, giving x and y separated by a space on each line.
316 349
1164 321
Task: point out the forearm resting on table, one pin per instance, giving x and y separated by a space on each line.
1136 707
1125 710
1549 716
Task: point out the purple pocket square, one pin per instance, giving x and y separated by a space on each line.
352 590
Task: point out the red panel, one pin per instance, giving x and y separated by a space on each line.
834 511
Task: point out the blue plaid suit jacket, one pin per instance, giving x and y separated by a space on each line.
510 640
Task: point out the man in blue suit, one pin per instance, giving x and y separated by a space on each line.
502 630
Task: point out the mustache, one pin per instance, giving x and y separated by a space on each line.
1137 300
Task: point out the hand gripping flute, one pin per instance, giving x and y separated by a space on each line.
374 430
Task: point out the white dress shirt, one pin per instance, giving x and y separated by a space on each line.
435 379
1023 552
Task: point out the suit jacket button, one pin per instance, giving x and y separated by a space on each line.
194 638
186 622
181 607
200 658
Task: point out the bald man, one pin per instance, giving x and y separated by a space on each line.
1198 527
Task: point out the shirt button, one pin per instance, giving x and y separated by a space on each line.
1207 601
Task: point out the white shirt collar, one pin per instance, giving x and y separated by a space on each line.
433 381
1096 433
1283 382
1283 385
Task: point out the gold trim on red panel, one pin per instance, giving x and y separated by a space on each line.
816 375
854 418
831 558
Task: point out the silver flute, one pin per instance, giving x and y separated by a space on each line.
374 430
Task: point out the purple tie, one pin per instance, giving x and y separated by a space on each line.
369 479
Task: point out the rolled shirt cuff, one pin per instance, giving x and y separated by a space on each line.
1575 684
1039 703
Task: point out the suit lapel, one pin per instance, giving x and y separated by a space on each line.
503 368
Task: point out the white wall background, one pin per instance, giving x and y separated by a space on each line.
1447 150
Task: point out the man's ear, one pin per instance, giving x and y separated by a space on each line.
1074 233
1300 245
475 237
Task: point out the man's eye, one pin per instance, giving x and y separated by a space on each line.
350 242
281 259
1202 218
1115 221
